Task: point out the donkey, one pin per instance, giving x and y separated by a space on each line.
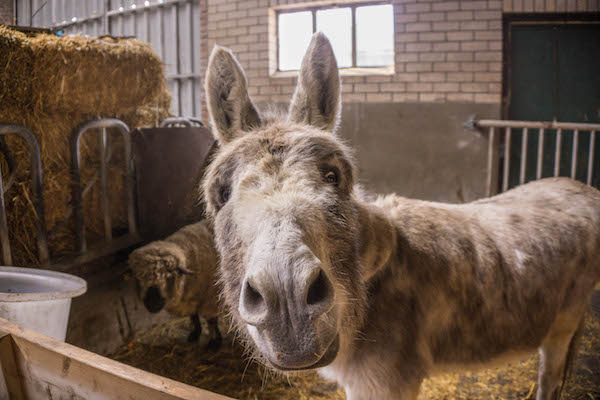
378 295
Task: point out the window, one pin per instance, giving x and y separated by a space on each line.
362 35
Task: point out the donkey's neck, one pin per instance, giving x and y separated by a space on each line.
377 239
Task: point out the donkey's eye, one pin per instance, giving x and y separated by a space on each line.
330 176
224 193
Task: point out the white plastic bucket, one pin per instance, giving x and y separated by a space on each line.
38 299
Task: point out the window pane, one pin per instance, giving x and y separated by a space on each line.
294 33
375 36
336 24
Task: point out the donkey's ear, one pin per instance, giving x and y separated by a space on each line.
230 109
317 99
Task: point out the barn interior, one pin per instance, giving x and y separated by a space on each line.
105 136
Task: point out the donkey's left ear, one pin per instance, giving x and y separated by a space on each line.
317 99
230 109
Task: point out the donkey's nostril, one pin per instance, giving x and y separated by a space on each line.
253 300
320 290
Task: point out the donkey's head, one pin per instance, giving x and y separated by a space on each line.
281 196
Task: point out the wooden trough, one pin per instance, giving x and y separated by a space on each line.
34 366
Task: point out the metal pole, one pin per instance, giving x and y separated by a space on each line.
540 154
506 160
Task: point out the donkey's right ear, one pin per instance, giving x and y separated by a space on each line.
230 109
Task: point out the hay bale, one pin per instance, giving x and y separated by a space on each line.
60 106
16 67
104 77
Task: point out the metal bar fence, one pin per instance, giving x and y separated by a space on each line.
38 200
566 134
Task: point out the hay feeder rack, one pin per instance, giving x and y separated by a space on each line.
84 251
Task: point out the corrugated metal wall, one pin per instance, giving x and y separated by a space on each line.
171 26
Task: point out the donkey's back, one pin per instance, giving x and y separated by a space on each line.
504 275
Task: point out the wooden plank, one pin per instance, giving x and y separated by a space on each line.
10 381
53 369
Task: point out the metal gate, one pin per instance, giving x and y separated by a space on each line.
172 27
550 139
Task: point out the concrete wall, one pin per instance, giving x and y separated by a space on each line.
6 12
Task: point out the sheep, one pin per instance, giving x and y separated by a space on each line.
178 274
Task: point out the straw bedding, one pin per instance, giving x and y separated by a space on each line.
229 372
52 85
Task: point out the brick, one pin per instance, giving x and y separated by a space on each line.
488 35
378 79
445 26
488 56
366 87
248 21
354 97
247 4
418 27
237 31
439 16
473 25
226 7
487 98
495 45
431 97
432 57
459 77
495 4
470 87
495 67
446 46
417 8
274 89
460 16
379 97
406 77
406 37
465 97
405 97
418 87
453 36
474 46
418 67
405 18
258 29
237 14
446 67
488 77
407 57
393 87
432 37
479 15
473 5
446 6
417 47
248 38
473 67
431 77
461 56
446 87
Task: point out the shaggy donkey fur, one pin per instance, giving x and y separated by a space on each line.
379 295
179 274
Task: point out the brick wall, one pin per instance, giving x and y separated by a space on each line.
6 12
446 51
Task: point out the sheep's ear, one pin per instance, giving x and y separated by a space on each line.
317 99
230 109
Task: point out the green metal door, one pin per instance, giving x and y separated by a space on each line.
554 74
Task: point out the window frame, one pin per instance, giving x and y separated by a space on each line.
313 7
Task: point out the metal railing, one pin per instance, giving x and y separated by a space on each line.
37 189
180 121
111 244
499 151
84 254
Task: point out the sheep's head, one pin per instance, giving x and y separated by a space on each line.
161 273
